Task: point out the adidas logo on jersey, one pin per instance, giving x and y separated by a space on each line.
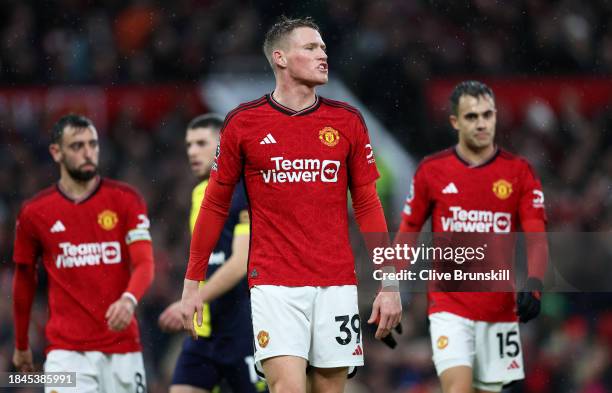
58 227
358 351
513 366
269 139
450 189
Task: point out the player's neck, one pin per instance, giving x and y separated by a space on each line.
296 97
475 157
77 190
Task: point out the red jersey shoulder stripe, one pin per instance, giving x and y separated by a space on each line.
341 104
243 107
439 155
39 195
336 103
508 156
348 107
520 159
111 183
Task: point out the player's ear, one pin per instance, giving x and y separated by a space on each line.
453 121
279 58
54 150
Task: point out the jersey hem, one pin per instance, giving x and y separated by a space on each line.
304 283
472 317
85 348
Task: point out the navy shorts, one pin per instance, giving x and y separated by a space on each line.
204 363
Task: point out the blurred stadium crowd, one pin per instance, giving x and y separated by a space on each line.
387 52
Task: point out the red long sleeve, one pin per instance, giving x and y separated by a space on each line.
370 217
369 213
143 269
24 288
537 247
208 227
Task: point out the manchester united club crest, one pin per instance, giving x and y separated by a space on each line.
263 338
502 189
442 342
329 136
108 220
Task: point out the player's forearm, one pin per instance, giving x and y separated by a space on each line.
369 213
537 247
370 217
24 288
228 275
143 268
208 227
224 279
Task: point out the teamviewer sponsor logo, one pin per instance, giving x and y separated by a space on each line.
88 254
329 174
307 170
476 221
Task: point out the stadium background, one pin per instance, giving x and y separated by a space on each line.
133 66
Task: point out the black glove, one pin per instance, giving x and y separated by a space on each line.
528 300
389 340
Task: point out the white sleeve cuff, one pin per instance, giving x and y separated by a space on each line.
131 297
387 282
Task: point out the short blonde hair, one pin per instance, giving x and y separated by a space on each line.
281 29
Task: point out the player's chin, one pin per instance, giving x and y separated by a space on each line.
320 78
204 173
483 142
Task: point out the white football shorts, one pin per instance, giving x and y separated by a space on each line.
319 324
491 349
98 372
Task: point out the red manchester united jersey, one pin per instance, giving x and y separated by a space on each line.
297 168
492 197
83 246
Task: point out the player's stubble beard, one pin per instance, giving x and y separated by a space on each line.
80 175
473 144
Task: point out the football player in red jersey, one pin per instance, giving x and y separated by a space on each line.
92 237
298 154
477 187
